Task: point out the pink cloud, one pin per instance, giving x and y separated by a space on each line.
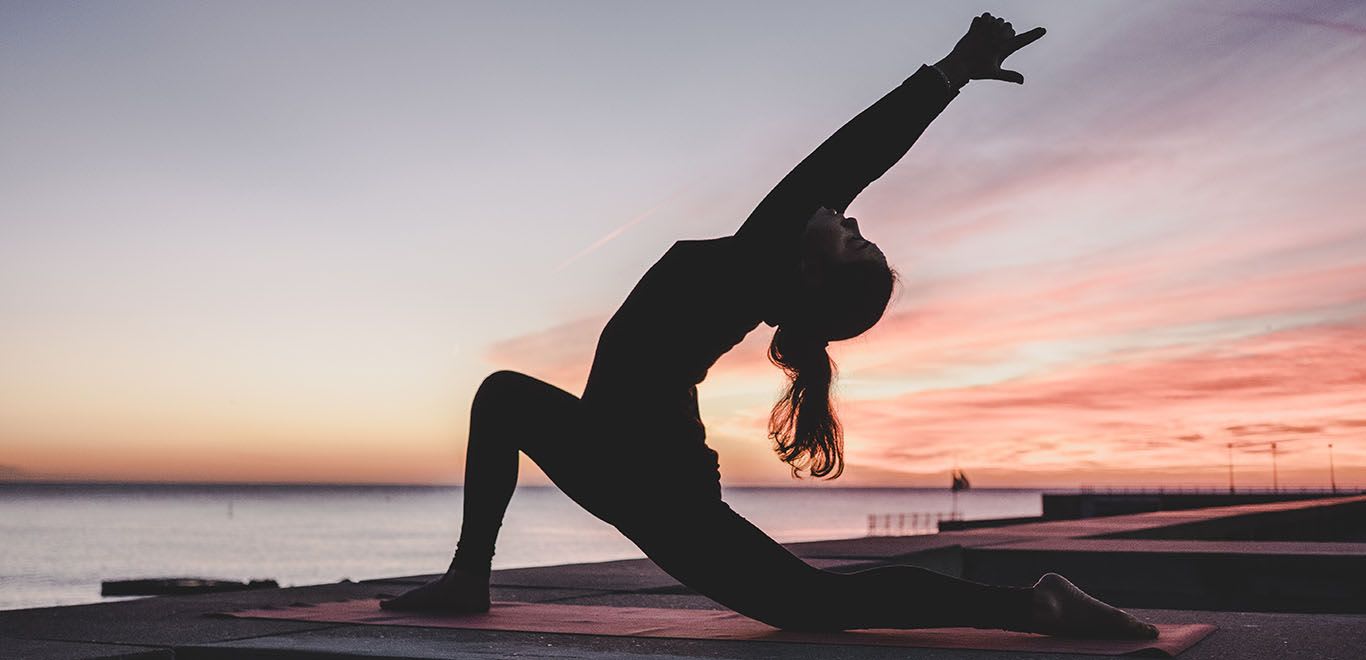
1301 19
560 355
1173 408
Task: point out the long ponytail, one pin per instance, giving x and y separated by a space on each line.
803 425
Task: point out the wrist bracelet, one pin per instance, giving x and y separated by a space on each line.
945 76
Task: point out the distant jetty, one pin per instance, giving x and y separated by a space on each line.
169 586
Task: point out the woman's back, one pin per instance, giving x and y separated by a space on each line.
692 306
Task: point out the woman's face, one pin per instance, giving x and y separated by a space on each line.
831 239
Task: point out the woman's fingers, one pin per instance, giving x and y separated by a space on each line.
989 41
1008 76
1021 40
1013 44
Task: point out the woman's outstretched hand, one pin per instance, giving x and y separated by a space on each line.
978 55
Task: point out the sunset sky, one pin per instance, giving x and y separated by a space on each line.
285 241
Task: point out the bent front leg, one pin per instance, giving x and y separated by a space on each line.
511 412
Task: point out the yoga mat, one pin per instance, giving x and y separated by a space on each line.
719 624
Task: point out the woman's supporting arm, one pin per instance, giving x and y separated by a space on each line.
855 156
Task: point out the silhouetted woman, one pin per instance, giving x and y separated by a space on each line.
632 450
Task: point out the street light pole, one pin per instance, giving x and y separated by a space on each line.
1332 477
1275 480
1230 468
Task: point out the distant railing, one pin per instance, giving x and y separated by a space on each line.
1204 490
908 524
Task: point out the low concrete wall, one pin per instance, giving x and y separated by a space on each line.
1075 506
959 525
1291 558
1342 521
1231 580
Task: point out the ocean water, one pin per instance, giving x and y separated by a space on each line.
57 542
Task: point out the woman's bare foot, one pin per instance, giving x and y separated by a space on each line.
1060 608
456 591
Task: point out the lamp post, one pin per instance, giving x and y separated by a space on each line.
1332 477
1230 468
1275 480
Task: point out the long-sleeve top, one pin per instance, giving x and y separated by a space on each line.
704 296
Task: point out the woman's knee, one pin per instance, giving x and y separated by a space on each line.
497 397
796 615
805 605
503 380
500 387
513 402
788 595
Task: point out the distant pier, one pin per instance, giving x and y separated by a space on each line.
1096 502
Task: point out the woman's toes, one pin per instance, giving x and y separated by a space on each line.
420 598
441 595
1060 608
1141 630
396 603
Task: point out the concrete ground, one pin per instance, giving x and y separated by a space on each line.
1160 574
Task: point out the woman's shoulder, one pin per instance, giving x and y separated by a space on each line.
737 247
716 251
718 243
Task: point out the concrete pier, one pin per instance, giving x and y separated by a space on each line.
1096 502
1269 598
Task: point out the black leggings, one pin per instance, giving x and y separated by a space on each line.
699 540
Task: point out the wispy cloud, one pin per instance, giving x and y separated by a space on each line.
559 355
624 227
1347 27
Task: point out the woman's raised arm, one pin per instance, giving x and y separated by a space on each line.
872 142
855 156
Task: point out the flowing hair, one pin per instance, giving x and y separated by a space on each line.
803 425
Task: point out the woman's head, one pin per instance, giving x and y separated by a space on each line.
844 288
845 281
